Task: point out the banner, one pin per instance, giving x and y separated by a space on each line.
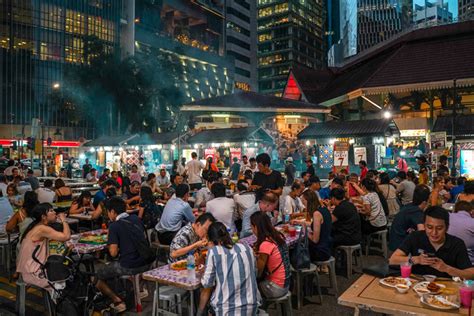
438 140
210 152
360 153
235 152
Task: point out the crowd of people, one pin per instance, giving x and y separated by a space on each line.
195 207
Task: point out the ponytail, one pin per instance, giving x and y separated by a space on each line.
37 214
219 236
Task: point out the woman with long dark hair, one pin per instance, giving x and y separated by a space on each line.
20 220
82 204
273 263
230 273
389 192
319 233
147 209
63 192
372 211
38 234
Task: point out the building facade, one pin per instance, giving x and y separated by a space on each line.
432 13
465 10
241 41
190 34
38 40
289 33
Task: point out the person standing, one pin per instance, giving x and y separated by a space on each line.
266 179
310 167
402 164
363 169
290 171
193 171
86 168
235 169
423 173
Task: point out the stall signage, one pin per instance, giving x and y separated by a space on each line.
438 140
341 154
412 133
210 152
360 153
235 152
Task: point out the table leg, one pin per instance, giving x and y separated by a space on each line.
156 299
191 303
356 311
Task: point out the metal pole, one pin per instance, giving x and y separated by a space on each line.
453 135
42 149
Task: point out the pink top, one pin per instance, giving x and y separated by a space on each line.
135 177
274 260
30 270
402 165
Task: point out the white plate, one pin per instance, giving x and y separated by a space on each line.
384 282
424 300
424 284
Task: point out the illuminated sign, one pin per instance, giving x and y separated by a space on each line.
242 86
413 133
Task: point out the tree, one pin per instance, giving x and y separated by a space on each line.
136 94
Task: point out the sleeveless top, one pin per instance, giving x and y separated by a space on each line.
62 198
323 247
30 269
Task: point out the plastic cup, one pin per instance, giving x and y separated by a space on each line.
466 296
292 231
405 269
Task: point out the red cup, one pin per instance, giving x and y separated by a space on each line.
465 294
292 231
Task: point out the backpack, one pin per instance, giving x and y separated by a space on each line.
151 215
141 243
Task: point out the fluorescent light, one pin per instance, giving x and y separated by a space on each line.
371 102
292 116
308 143
220 115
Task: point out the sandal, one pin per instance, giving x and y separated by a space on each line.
118 307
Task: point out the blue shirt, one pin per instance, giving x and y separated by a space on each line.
324 193
246 226
99 197
176 214
6 211
455 192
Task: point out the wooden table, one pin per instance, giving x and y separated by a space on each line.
166 276
366 293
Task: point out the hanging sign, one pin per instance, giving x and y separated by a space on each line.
360 153
341 154
235 152
438 140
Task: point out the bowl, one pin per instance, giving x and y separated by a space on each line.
429 277
402 288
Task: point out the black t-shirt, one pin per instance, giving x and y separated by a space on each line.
442 169
119 234
310 170
346 230
404 222
130 195
453 252
272 181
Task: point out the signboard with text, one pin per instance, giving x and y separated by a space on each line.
341 154
235 152
438 140
210 152
360 153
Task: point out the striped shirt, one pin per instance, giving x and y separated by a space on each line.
233 274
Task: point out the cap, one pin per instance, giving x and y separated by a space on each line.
290 159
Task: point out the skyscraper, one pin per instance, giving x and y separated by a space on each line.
37 40
466 10
432 13
241 41
289 33
379 20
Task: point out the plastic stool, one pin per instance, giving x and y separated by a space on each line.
162 253
313 269
20 303
331 263
173 298
355 250
136 290
381 237
284 302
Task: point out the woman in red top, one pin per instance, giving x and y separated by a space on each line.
272 257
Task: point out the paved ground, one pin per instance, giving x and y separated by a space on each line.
311 306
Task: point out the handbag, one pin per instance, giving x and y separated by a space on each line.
300 258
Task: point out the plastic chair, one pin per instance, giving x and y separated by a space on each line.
20 303
135 279
379 237
313 269
331 263
284 302
350 251
173 298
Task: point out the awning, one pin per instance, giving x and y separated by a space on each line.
464 125
231 135
154 139
341 129
110 140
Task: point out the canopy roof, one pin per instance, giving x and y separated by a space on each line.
111 140
362 128
231 135
464 125
154 139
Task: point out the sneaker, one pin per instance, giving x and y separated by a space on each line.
118 307
143 294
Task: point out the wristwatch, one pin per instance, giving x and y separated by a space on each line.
410 260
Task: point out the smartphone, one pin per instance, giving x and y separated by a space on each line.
431 255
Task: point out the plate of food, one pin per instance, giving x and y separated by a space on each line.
178 265
93 239
444 302
394 281
428 288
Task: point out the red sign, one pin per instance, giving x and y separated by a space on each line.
55 143
235 152
210 152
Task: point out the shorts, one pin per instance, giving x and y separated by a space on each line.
114 270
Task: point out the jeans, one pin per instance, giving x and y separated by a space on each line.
268 289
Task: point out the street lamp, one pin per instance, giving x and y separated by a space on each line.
387 114
56 85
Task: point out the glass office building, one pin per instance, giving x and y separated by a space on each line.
38 39
289 32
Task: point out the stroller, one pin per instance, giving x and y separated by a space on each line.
74 292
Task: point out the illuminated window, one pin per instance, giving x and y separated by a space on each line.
74 52
280 8
264 37
265 12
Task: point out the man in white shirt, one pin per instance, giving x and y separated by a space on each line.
92 176
162 179
193 171
221 207
141 167
244 164
9 170
46 193
204 195
244 199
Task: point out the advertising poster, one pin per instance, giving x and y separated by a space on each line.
438 140
341 154
360 153
210 152
467 163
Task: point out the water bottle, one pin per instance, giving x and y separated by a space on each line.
286 216
191 266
